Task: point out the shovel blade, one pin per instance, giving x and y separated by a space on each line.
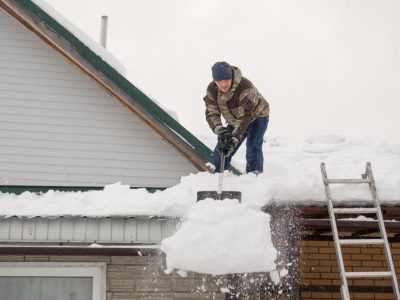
224 195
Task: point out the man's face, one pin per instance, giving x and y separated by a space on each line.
224 85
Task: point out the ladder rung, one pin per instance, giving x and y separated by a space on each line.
368 274
361 242
355 210
348 181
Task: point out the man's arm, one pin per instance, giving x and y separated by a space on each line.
213 114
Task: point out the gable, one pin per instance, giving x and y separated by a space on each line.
58 127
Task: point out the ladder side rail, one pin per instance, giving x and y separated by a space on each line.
344 292
339 256
382 229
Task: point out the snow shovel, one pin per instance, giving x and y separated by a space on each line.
220 195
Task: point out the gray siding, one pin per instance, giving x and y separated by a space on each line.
58 127
139 230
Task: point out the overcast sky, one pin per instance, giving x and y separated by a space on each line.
325 66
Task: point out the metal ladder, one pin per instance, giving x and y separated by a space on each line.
367 178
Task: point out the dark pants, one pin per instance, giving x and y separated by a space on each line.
254 155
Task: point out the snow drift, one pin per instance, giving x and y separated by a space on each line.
222 237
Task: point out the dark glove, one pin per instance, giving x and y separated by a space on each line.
223 133
229 146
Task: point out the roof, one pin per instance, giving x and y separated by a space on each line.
313 221
35 19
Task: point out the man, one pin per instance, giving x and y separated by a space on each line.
245 111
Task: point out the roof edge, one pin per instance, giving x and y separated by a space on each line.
66 250
19 189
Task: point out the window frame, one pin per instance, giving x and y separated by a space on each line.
94 270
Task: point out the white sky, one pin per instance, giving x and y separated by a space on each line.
325 66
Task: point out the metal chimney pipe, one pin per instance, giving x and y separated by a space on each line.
103 32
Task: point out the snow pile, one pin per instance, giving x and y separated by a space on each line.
292 168
119 200
291 175
83 37
222 237
114 200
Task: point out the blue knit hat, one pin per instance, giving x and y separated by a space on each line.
221 71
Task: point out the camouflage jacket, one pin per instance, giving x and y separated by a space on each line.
239 106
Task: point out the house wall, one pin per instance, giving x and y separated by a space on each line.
319 269
59 128
140 277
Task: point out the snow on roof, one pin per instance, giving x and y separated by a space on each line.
291 174
83 37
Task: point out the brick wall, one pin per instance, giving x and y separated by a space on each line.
141 277
319 270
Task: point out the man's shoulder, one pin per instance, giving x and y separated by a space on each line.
246 83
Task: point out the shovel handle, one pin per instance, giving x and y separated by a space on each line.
221 173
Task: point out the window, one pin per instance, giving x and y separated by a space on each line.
52 281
